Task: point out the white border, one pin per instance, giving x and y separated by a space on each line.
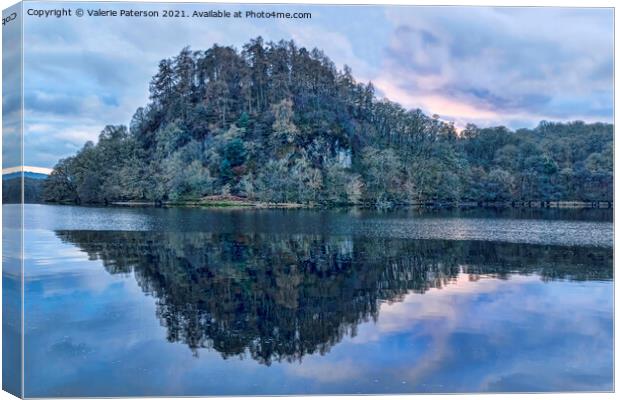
539 3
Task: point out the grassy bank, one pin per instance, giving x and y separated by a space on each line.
231 201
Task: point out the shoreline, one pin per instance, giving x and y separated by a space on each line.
231 202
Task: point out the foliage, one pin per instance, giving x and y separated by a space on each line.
278 123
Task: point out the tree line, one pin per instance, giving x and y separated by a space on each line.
275 122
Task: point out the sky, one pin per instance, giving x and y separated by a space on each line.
488 66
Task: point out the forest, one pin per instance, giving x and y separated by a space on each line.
278 123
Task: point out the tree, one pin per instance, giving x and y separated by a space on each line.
278 122
382 176
498 186
60 186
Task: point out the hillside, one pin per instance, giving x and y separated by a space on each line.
33 187
278 123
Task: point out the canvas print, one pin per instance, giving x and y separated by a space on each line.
260 199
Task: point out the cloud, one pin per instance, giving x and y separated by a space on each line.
325 371
501 65
337 47
509 66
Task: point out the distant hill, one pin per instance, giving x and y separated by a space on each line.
34 179
27 174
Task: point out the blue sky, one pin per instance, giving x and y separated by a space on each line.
489 66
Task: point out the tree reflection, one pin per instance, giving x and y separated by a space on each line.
281 297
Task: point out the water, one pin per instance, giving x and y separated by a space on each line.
144 301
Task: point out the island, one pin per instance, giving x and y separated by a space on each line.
275 124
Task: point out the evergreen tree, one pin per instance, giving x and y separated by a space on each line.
280 123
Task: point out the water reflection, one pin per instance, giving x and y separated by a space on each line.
282 297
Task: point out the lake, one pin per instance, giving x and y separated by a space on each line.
153 301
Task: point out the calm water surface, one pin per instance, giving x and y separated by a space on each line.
147 301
